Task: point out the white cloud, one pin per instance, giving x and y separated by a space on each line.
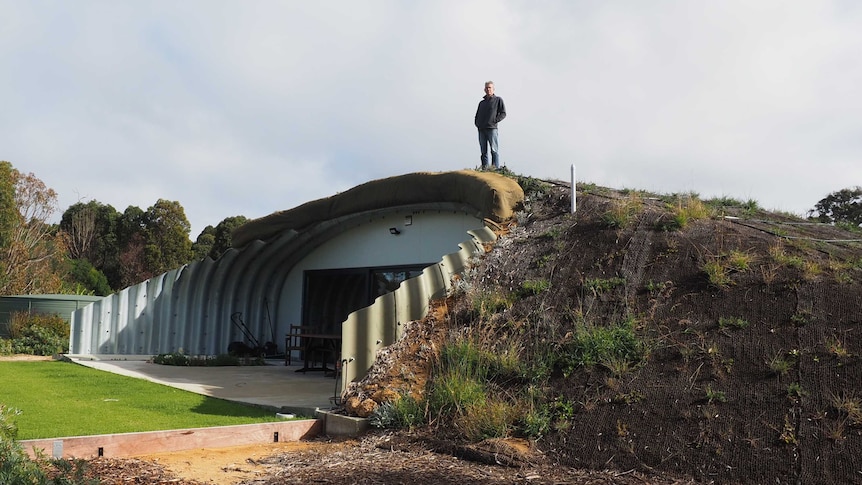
251 107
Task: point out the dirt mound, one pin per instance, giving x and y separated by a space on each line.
749 325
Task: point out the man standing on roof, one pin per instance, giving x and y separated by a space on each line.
491 111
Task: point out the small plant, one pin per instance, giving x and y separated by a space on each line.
685 209
795 390
717 273
601 285
622 211
552 233
608 346
837 348
732 323
811 270
654 287
488 303
533 287
788 432
800 318
177 358
778 255
848 406
713 395
739 260
779 364
404 412
488 419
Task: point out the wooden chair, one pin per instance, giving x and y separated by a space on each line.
293 341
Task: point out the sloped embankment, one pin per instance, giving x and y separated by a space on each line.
749 330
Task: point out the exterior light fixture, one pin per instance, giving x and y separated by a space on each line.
394 231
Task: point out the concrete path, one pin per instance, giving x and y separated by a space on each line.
274 385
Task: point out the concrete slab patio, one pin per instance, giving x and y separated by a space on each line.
275 385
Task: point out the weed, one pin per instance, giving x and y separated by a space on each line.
836 432
788 432
633 397
536 422
488 303
483 420
795 390
607 346
404 412
453 391
811 270
552 233
622 211
587 187
769 272
739 260
733 323
778 255
779 364
717 273
531 186
654 287
533 287
749 206
687 208
713 395
837 348
800 318
543 260
848 406
601 285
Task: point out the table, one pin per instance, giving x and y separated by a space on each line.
330 343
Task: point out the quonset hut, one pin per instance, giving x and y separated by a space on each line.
322 264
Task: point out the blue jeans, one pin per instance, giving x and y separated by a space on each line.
489 137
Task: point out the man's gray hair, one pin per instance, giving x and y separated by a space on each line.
489 82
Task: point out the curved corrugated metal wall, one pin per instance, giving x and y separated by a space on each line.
190 308
370 329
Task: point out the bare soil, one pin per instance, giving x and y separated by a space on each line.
378 458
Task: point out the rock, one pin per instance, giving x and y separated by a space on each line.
356 406
385 395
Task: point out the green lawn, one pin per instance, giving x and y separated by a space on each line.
66 399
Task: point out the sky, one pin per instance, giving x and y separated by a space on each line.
255 106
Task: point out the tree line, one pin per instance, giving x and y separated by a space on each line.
95 249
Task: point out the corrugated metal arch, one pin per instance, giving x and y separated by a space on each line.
190 308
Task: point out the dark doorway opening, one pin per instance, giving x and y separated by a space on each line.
332 294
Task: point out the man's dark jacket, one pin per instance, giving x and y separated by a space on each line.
491 111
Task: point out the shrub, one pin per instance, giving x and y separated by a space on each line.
174 358
38 333
15 466
404 412
5 346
